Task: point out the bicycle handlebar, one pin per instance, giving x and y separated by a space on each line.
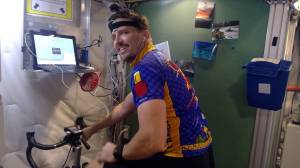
73 137
32 143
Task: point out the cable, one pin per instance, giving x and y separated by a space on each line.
62 76
26 44
101 102
104 87
67 157
101 95
95 94
98 42
122 132
105 107
97 85
115 84
118 83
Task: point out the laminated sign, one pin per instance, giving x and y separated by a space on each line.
61 9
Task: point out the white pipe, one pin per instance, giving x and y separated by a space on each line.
85 20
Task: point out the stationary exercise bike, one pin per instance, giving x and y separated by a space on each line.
73 137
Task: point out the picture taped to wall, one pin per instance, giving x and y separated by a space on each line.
204 14
61 9
226 30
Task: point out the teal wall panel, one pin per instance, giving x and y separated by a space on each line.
220 83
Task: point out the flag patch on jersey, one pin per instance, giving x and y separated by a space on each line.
140 86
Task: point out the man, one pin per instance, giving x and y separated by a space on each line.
172 130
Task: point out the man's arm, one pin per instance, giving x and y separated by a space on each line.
119 112
152 133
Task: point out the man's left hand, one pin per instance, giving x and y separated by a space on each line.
106 154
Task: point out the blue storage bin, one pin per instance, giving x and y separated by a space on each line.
204 50
266 82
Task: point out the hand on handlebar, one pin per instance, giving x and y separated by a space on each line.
87 133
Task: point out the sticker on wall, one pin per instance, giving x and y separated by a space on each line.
61 9
226 30
204 14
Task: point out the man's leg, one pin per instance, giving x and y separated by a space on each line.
203 161
211 157
114 165
94 164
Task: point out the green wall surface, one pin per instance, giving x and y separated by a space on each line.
220 84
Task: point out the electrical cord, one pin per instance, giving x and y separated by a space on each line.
115 84
101 95
27 46
96 89
62 76
95 93
93 43
67 157
99 100
104 87
104 105
121 133
97 85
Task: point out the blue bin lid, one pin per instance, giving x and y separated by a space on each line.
285 65
267 66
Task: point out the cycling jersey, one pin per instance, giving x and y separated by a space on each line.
154 77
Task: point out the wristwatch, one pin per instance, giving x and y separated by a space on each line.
118 153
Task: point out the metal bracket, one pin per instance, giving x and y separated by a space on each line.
277 1
279 38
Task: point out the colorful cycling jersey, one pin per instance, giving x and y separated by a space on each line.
153 77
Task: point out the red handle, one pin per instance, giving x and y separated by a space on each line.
293 88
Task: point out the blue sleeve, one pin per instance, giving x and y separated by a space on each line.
147 82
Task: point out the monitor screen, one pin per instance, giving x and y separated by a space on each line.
54 49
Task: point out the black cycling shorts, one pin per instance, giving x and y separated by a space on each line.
159 161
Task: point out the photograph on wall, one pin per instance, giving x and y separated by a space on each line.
226 30
204 50
61 9
204 14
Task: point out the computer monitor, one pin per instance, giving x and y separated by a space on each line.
54 49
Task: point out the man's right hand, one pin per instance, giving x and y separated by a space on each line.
87 133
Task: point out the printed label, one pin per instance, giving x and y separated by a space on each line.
264 88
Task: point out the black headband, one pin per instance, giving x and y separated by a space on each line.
113 24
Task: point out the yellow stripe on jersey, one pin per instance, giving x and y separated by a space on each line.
137 77
149 47
173 139
198 145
